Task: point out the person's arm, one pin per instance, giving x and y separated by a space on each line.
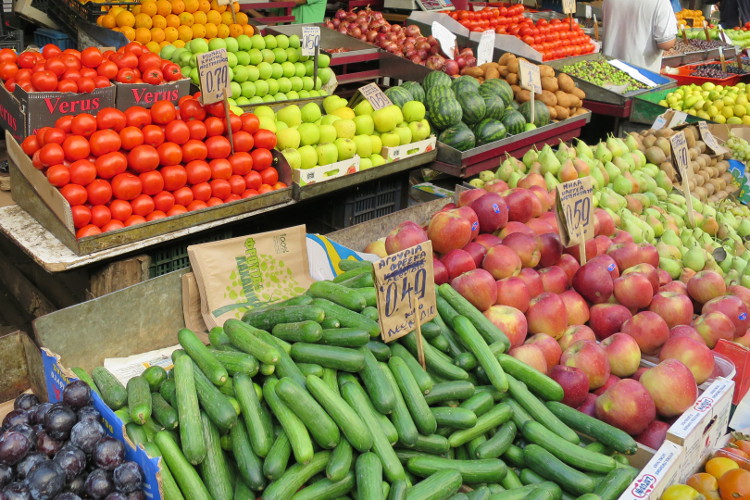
665 25
667 45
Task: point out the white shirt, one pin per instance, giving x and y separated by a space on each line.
634 27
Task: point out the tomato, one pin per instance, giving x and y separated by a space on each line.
126 75
138 117
242 163
131 137
28 59
269 175
196 205
9 84
30 145
262 158
178 131
120 209
51 135
58 175
76 147
242 141
71 74
156 214
164 201
175 177
152 182
82 172
198 171
134 48
107 69
83 124
112 225
91 57
104 141
143 205
86 84
221 188
56 66
218 147
89 230
220 169
264 188
191 109
216 109
176 210
236 122
101 81
44 81
100 215
50 50
264 139
67 86
194 150
214 126
280 185
149 60
51 154
126 186
143 158
202 191
250 122
125 60
153 135
213 201
171 72
75 194
169 154
99 192
163 112
183 196
111 164
253 180
197 129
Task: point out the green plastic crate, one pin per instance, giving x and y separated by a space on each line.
175 256
646 108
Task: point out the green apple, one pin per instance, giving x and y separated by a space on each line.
299 69
256 99
363 108
252 73
266 122
236 89
268 98
280 96
377 160
294 41
257 42
308 83
387 118
311 112
276 71
315 93
216 44
236 110
267 55
273 86
419 130
167 51
327 133
279 125
413 111
282 41
364 146
284 85
377 143
346 147
390 139
264 70
329 119
304 94
327 153
194 76
364 124
293 158
325 75
244 42
404 135
365 163
240 74
324 60
248 89
291 115
231 59
292 55
279 55
309 133
287 69
175 54
232 44
345 128
309 67
292 95
243 58
198 46
242 101
255 55
296 83
185 58
261 88
270 41
309 157
332 103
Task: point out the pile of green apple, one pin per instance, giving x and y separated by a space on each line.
712 102
740 38
261 68
309 136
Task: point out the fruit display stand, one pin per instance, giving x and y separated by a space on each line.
695 56
646 108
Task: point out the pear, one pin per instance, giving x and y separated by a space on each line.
726 264
631 143
477 183
583 150
733 277
739 264
582 167
505 170
668 251
660 194
615 217
549 161
513 179
485 175
743 229
650 169
562 153
634 204
567 172
669 237
622 186
602 153
603 172
596 176
614 146
550 181
694 259
612 171
530 157
621 164
630 225
671 266
656 225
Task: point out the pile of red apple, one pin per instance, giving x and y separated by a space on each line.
585 326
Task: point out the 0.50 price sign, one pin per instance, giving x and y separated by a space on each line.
375 96
213 71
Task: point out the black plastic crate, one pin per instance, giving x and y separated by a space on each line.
173 257
90 11
12 39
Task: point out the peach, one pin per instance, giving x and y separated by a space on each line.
607 319
530 354
549 347
502 262
626 405
674 308
405 235
546 314
648 329
623 353
510 321
672 386
591 359
513 292
574 382
576 307
696 356
449 230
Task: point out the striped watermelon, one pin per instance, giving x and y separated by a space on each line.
489 130
472 105
458 137
514 122
445 112
495 107
399 95
416 90
541 113
465 83
436 78
436 93
501 88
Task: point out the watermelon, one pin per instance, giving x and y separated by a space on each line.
465 83
399 96
514 122
501 88
458 137
436 93
415 89
472 106
489 130
541 113
445 112
436 78
494 107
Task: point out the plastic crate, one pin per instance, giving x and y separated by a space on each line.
90 11
12 39
684 77
43 36
173 257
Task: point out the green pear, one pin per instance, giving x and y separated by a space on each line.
602 153
695 259
583 150
514 178
671 266
530 157
622 185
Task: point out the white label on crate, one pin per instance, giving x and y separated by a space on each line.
486 47
126 368
446 38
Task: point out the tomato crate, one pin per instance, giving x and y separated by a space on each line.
43 36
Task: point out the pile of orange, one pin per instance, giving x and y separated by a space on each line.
156 23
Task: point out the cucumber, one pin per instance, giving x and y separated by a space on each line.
136 433
463 307
540 494
267 369
455 418
398 490
191 434
415 402
482 493
499 443
246 339
139 399
241 491
574 455
324 489
439 486
400 416
345 337
285 367
261 435
550 467
440 344
341 461
330 378
236 362
371 312
84 375
380 350
369 294
612 437
385 425
436 361
433 444
523 492
489 470
471 446
296 476
369 474
321 427
539 412
266 319
539 383
213 469
217 337
352 263
466 361
615 483
163 412
300 331
446 312
154 375
496 395
348 318
330 323
511 480
338 358
124 415
381 393
520 416
471 338
168 484
589 496
352 426
452 390
293 427
202 357
310 369
338 294
275 462
430 330
423 379
528 476
514 456
479 404
184 474
248 464
599 448
496 416
361 273
111 389
454 346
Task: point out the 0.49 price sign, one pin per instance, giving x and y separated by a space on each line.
574 211
213 71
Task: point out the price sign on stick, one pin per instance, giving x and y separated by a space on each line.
375 96
404 282
213 71
486 47
446 39
531 81
574 212
710 140
569 6
681 160
310 40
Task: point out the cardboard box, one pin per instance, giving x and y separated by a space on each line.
405 151
23 113
145 95
661 470
323 173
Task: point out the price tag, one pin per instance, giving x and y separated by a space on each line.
569 6
375 96
588 11
446 38
224 2
486 47
530 78
574 211
405 287
310 40
213 71
710 140
681 159
678 118
659 123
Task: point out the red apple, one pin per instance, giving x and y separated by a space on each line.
554 279
488 240
546 314
640 371
440 271
602 244
457 262
551 250
714 326
706 285
405 235
549 347
533 281
478 287
466 197
627 405
515 227
569 264
609 263
526 246
649 254
575 250
492 212
654 435
476 251
549 217
496 186
686 331
574 382
742 292
576 307
696 356
449 230
623 353
674 308
734 308
594 282
510 321
513 292
589 357
674 286
607 319
744 340
648 329
540 227
672 386
519 204
606 225
647 270
575 333
531 355
622 237
532 179
664 277
612 380
502 262
633 290
469 214
589 405
625 255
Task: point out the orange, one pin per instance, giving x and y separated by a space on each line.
204 5
191 5
199 30
241 18
719 465
178 43
108 21
172 20
735 485
143 21
163 7
148 7
200 17
153 47
170 34
211 30
213 16
159 22
220 8
186 19
163 44
157 35
185 33
115 10
226 18
136 10
236 30
178 7
128 32
223 31
743 445
125 18
142 35
249 30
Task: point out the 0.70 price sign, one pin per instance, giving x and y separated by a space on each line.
213 71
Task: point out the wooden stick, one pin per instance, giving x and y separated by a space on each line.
582 251
229 122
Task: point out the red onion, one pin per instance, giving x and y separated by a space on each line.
471 61
371 36
340 14
451 67
412 30
422 53
355 32
342 29
461 62
422 45
336 22
466 51
435 61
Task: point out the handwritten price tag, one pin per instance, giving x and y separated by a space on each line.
213 71
530 78
569 6
404 282
310 40
377 98
710 140
446 38
574 211
681 159
486 47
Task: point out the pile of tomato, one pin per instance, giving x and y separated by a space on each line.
554 39
70 70
121 168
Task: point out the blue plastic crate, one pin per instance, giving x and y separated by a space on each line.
43 36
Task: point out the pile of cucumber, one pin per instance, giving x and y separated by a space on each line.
301 400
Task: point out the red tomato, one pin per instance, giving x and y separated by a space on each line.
138 116
56 66
83 124
269 175
134 48
221 188
164 201
201 191
58 175
176 210
99 192
30 145
111 164
196 205
237 184
264 188
242 163
262 158
214 126
183 196
71 74
163 112
86 84
220 169
101 81
253 180
153 135
171 72
249 192
178 131
194 150
120 210
125 60
75 194
126 75
235 122
131 137
143 205
89 230
169 154
100 215
191 108
143 158
218 147
51 154
213 201
67 86
44 81
91 57
156 214
107 69
104 141
76 147
149 60
8 70
230 198
250 122
126 186
198 171
82 172
197 129
28 59
112 225
242 141
216 109
152 181
51 50
175 177
51 135
8 56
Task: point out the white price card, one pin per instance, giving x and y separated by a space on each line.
375 96
310 40
588 11
530 78
486 47
569 6
223 2
574 211
710 140
213 70
446 39
681 158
